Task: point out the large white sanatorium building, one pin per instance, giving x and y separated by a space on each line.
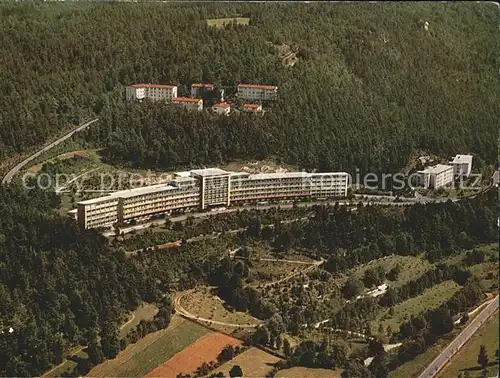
436 176
462 165
154 92
206 188
257 92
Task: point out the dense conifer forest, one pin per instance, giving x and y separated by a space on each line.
370 87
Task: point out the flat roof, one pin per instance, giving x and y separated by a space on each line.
147 190
257 86
184 179
129 193
235 174
439 168
202 85
223 105
264 176
462 159
105 198
186 99
209 172
153 86
182 174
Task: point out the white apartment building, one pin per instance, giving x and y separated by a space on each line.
252 108
462 165
257 92
154 92
206 188
196 88
97 212
222 108
215 186
247 187
436 176
189 103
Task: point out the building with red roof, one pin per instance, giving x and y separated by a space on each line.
222 108
189 103
257 92
252 108
196 87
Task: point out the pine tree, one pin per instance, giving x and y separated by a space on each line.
236 371
482 358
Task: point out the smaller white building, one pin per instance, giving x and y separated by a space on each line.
437 176
462 165
252 108
189 103
222 108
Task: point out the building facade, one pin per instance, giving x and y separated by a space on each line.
257 92
436 176
155 92
196 88
204 189
252 108
462 165
222 108
189 103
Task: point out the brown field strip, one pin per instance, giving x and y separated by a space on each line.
205 349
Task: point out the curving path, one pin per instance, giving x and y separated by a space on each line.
183 312
10 175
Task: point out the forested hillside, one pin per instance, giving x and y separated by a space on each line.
370 87
59 287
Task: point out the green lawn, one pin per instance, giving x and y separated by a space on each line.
466 359
221 22
431 298
156 348
412 267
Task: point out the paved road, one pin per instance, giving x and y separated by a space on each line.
206 214
8 177
435 367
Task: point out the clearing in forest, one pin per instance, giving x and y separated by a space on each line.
303 372
188 360
430 298
204 304
254 362
152 350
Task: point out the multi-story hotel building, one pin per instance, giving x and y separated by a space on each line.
154 92
207 188
257 92
189 103
462 165
436 176
196 87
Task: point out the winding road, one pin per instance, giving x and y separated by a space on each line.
444 357
10 175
